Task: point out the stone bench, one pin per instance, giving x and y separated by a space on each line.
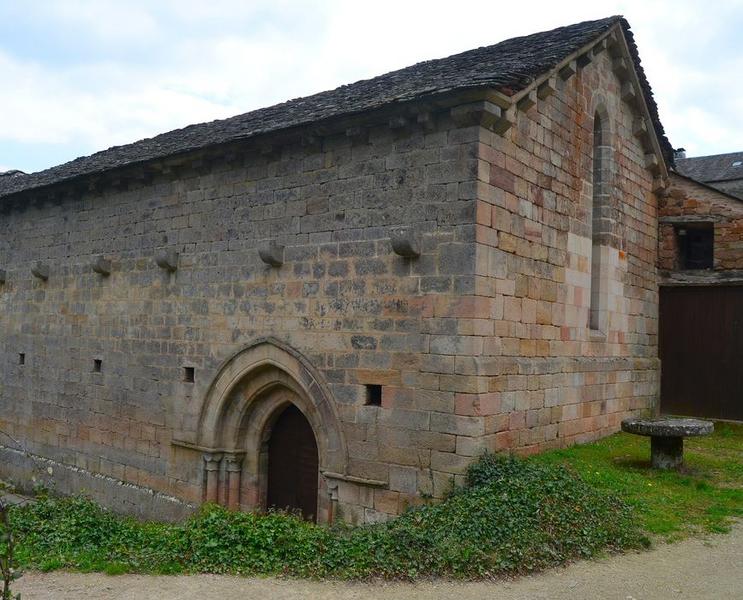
667 437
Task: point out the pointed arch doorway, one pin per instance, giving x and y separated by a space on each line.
241 423
293 464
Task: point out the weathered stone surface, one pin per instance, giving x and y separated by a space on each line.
668 427
482 341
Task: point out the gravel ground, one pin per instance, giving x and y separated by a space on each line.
710 568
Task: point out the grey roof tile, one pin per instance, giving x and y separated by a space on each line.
717 167
511 64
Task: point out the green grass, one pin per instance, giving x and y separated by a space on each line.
702 497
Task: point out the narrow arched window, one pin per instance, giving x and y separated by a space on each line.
600 221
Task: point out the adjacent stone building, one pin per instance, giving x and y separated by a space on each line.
701 300
701 233
335 303
721 171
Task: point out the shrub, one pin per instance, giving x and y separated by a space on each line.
512 516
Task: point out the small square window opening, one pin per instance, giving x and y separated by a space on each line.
97 365
695 246
373 394
189 374
22 358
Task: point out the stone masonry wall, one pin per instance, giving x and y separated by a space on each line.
357 311
482 342
545 379
689 202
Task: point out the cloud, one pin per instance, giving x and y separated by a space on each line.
86 74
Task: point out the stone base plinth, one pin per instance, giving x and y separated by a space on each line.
667 452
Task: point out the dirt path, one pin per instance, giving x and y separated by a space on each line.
695 569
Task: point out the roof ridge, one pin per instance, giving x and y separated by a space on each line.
736 153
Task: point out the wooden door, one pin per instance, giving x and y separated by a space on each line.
701 351
293 464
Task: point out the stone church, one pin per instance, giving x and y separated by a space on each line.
335 303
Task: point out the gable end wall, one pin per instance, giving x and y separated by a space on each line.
552 381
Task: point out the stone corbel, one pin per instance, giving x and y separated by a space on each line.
405 242
660 185
621 68
569 70
40 271
629 93
528 101
614 44
640 129
652 163
583 60
167 260
271 253
547 88
599 47
102 266
485 114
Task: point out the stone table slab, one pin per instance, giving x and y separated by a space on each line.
667 437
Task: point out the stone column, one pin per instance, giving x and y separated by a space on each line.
332 485
211 469
233 470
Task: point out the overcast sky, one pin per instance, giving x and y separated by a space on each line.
77 76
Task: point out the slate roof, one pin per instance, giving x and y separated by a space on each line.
511 64
718 167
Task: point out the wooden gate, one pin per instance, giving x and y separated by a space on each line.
293 464
701 351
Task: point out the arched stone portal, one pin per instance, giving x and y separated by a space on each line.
248 398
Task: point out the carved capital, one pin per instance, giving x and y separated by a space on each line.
212 460
233 462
